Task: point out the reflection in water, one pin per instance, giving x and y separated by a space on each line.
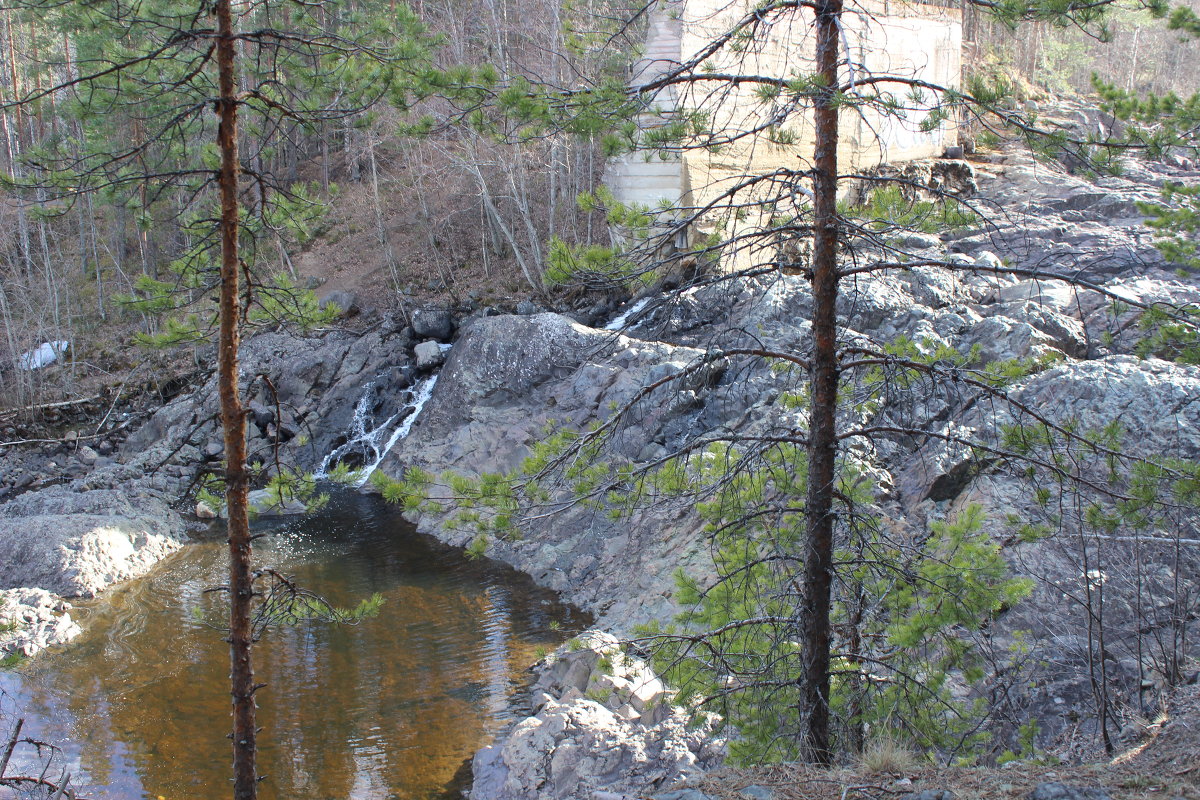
387 708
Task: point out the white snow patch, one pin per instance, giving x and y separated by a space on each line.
43 355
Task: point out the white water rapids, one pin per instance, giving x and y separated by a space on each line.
375 443
619 322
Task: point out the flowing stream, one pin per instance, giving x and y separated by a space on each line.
618 322
371 444
388 708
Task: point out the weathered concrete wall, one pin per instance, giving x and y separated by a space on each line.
906 40
650 178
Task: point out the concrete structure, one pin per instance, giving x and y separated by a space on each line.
881 37
652 178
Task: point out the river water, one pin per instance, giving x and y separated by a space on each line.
388 708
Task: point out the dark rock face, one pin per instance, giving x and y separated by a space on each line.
319 383
433 323
261 415
510 379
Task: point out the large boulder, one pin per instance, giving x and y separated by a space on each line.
345 302
433 323
510 376
78 543
507 383
429 354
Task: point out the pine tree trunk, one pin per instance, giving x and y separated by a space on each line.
823 382
233 420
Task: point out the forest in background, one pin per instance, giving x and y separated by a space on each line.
432 209
440 211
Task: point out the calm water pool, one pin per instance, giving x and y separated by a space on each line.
389 708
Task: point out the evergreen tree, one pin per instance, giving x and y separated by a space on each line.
209 91
814 609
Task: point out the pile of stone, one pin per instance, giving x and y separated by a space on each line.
32 620
603 724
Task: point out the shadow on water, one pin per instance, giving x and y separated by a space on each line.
388 708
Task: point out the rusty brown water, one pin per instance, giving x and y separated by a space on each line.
389 708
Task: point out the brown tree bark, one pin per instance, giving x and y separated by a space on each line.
823 383
233 420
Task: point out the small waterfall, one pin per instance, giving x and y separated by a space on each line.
420 396
374 444
619 322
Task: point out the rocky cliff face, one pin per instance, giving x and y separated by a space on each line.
509 380
302 392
